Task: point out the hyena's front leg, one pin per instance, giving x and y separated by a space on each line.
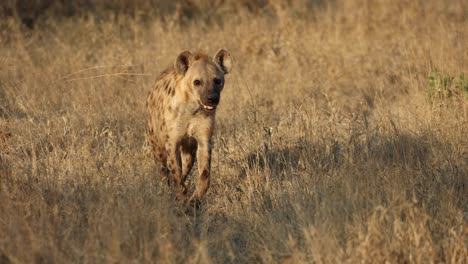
175 166
204 168
188 150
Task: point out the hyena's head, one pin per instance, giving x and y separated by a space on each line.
203 77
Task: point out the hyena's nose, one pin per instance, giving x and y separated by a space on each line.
213 99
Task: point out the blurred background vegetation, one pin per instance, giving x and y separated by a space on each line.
36 12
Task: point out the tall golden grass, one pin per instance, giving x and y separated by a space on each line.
327 148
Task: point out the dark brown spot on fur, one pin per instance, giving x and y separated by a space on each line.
205 175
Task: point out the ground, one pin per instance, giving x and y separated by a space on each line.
341 137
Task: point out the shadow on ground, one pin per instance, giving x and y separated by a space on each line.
408 151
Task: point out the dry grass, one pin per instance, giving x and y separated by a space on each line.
326 150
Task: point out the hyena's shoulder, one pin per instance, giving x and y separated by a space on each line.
163 88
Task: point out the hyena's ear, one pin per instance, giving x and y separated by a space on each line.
224 60
182 62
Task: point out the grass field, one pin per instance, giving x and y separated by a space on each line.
342 136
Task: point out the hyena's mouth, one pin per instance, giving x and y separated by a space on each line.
208 108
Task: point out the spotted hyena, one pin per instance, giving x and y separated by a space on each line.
181 117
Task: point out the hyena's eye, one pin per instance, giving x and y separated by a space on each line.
217 81
197 82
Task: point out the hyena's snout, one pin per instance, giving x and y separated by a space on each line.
213 99
210 101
